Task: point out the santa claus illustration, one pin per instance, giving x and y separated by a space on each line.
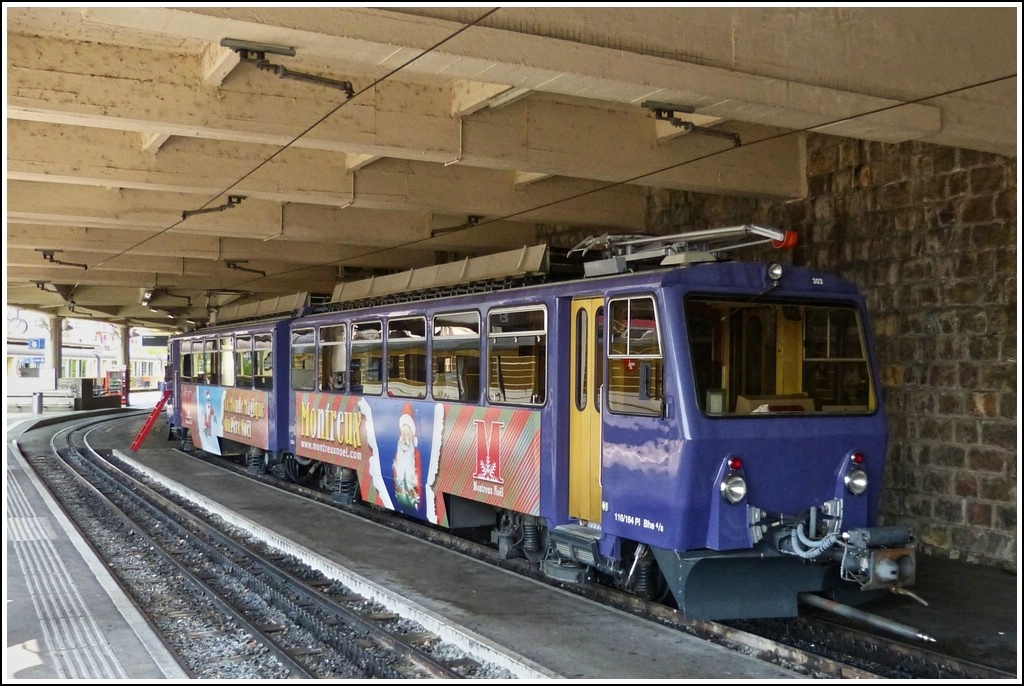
209 415
378 494
407 467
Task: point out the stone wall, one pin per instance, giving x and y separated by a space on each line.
942 224
930 235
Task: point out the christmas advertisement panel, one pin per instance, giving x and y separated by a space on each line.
492 455
408 454
213 412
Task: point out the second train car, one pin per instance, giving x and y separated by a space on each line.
709 431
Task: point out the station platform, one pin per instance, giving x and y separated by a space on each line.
65 616
971 607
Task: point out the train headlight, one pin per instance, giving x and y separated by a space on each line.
856 481
775 271
733 488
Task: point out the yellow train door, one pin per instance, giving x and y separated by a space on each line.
586 377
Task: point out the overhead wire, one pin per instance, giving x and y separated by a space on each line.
373 84
480 222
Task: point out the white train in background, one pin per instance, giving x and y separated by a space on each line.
26 363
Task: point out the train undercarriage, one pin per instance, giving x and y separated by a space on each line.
768 580
794 557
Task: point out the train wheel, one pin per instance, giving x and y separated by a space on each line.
341 482
300 469
256 461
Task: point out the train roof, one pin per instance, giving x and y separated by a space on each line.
595 264
597 256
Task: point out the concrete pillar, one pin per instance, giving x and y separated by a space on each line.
124 357
57 334
51 353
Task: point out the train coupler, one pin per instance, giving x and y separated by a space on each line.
879 558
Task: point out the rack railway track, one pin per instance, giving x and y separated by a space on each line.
225 606
814 645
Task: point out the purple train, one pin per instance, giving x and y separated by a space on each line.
705 431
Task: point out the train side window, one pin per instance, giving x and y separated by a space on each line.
365 373
186 361
455 360
517 356
333 358
303 356
209 351
581 393
74 369
211 361
205 352
142 374
636 365
263 360
227 361
198 362
243 361
407 357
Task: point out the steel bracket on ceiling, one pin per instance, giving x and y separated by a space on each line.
664 111
256 53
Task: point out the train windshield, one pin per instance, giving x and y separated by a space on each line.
771 358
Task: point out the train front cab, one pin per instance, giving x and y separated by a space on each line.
746 462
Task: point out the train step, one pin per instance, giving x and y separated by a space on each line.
577 548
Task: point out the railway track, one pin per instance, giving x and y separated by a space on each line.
231 608
818 644
814 645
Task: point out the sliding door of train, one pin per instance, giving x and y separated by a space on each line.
586 378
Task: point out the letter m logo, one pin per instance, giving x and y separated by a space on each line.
488 459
